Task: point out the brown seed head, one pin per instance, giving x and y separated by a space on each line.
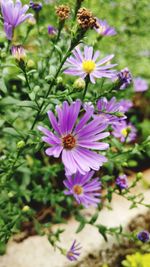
86 19
63 12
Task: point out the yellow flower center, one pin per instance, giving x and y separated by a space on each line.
70 254
124 132
88 66
78 190
101 28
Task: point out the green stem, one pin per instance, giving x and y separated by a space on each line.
27 80
77 7
87 80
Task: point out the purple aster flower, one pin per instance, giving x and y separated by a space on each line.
122 181
13 15
73 253
107 107
125 78
140 85
75 140
104 28
51 30
88 105
84 190
36 6
124 131
143 236
83 64
18 52
125 105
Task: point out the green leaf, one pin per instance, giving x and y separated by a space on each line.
81 226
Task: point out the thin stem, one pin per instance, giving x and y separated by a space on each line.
61 24
27 80
8 46
87 80
77 7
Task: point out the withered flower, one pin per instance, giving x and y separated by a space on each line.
85 19
63 12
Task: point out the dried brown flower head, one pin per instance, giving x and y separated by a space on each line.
63 12
86 19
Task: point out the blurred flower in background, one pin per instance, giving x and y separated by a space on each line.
125 105
140 85
104 29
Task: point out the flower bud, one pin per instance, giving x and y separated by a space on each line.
79 84
143 236
59 80
11 194
20 144
49 78
25 208
31 21
18 52
51 30
139 175
30 64
36 6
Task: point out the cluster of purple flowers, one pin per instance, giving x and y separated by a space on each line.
77 140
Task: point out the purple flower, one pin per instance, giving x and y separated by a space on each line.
143 236
140 85
83 64
76 140
125 78
73 253
107 107
51 30
13 15
125 105
122 181
104 28
36 6
84 190
124 131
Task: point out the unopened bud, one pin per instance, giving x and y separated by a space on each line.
79 84
30 64
31 21
59 80
18 52
20 144
139 175
25 208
